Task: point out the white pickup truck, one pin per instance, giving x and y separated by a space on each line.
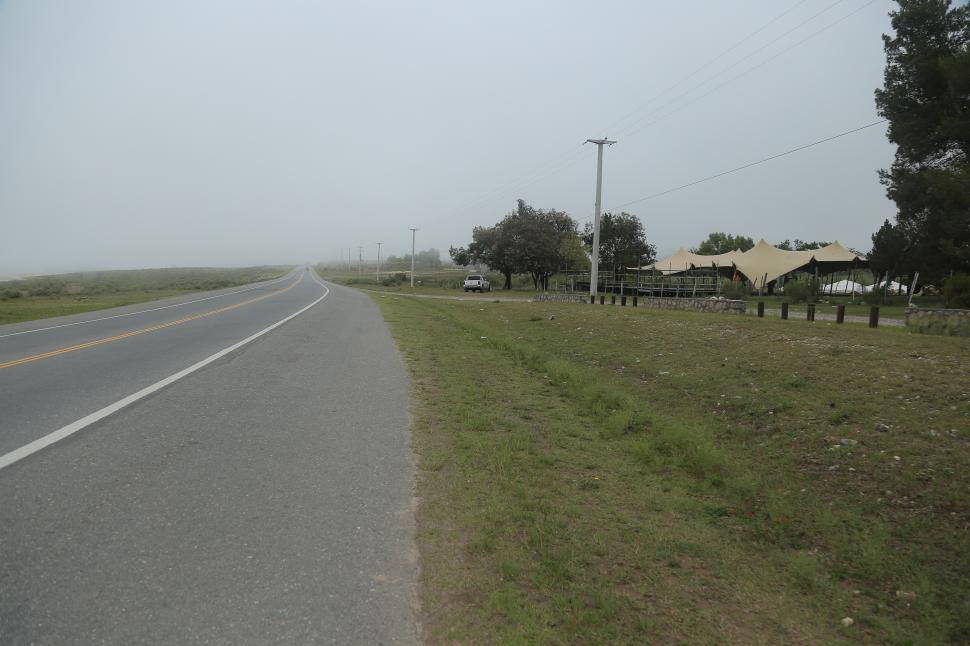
477 282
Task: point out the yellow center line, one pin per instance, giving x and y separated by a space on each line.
153 328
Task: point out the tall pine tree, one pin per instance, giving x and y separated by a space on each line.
926 99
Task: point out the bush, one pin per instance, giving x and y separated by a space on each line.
736 291
956 291
801 290
393 279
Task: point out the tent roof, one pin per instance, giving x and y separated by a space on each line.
684 260
762 263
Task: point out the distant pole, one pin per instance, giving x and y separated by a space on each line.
360 260
379 261
413 231
594 273
349 251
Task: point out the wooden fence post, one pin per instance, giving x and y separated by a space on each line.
873 317
761 310
810 314
784 311
840 314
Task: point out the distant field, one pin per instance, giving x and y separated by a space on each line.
46 296
606 475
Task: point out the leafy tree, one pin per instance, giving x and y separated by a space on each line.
530 240
718 243
538 240
493 246
800 245
623 242
460 256
925 98
889 252
429 258
572 253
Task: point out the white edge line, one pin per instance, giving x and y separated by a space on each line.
28 449
154 309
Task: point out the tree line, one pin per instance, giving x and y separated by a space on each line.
541 242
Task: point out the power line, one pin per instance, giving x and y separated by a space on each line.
749 165
746 72
570 158
729 67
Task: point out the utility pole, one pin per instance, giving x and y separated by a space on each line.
349 251
360 258
594 270
379 260
413 231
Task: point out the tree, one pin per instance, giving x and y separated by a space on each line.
493 246
623 242
718 243
538 237
889 252
530 240
460 256
925 98
799 245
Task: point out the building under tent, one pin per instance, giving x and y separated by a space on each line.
764 264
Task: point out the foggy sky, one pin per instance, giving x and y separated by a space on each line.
230 132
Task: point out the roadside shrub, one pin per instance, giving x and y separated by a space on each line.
956 291
393 279
10 293
801 290
734 290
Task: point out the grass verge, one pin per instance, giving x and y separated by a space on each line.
46 296
598 474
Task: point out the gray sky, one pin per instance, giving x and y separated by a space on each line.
226 132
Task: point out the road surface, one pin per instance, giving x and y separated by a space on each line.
257 496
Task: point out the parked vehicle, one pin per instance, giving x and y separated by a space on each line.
476 282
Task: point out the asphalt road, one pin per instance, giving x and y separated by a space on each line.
265 497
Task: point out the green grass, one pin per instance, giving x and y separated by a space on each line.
62 294
619 475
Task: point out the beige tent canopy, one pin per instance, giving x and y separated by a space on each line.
762 263
684 260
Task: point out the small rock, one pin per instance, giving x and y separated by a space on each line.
552 317
905 595
847 621
882 428
845 441
897 458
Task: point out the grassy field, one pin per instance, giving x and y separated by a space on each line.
594 474
58 295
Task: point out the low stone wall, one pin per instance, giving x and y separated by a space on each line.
938 321
654 302
695 304
553 297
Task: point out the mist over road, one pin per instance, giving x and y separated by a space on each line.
264 497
